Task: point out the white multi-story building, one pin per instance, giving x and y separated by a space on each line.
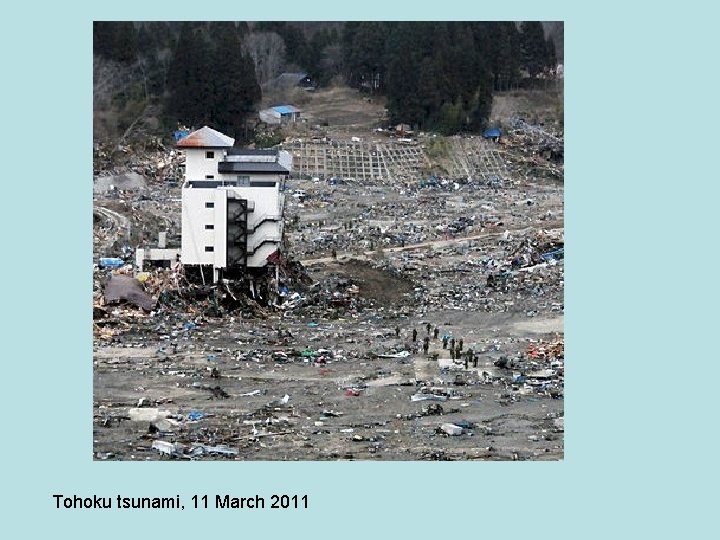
232 205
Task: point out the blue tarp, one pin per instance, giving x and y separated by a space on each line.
492 133
111 262
285 109
180 134
556 254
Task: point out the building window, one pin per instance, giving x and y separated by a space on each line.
209 248
260 183
243 180
209 177
210 154
209 227
209 205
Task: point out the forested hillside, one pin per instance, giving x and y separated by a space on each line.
434 75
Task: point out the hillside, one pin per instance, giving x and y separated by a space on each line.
150 77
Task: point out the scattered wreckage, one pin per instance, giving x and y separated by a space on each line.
333 366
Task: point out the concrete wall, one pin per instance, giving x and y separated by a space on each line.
195 215
269 116
197 166
220 236
155 254
265 201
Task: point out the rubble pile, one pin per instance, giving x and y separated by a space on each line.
539 150
153 160
417 316
377 216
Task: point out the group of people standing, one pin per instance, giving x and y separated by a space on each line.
456 348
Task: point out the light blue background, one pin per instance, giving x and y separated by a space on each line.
641 117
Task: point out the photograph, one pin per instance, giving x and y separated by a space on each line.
328 241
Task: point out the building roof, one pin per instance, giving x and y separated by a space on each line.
285 109
292 78
206 137
251 167
210 183
252 152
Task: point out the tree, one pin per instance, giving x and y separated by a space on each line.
190 77
330 63
437 77
451 118
364 54
297 50
402 81
296 47
480 106
211 80
503 54
228 103
316 55
115 40
534 51
267 50
103 37
550 57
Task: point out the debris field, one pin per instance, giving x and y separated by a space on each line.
421 316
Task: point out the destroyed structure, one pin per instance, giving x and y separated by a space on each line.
232 211
280 114
423 319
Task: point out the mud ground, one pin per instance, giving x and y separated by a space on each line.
320 421
308 381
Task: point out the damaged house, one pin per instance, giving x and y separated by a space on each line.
232 208
280 114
